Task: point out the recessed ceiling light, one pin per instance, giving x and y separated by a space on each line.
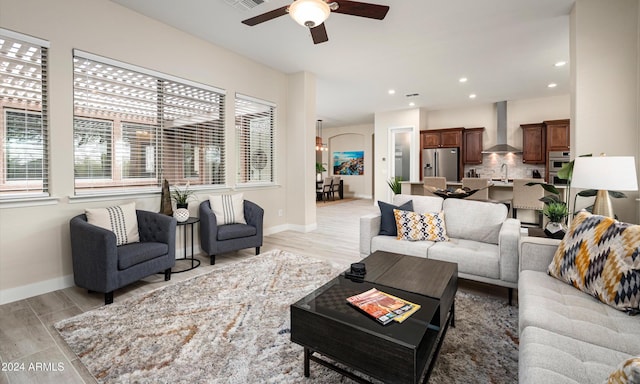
412 104
463 80
560 63
472 96
392 91
552 85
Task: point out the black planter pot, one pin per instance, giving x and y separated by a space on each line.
182 205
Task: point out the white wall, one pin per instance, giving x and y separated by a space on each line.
384 122
351 138
35 252
605 101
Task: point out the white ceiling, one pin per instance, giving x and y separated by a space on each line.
506 48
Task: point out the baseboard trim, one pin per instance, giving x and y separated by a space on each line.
30 290
26 291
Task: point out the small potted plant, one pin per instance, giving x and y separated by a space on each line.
182 196
556 212
394 184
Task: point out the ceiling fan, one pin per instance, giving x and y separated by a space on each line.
313 13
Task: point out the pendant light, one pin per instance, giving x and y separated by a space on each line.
320 146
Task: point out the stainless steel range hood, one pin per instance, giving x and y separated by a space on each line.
502 146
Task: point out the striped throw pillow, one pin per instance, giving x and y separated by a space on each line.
229 209
414 226
601 256
121 220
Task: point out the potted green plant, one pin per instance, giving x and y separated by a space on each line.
319 169
394 184
182 196
555 209
556 212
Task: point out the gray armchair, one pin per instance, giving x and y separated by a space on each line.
101 266
216 239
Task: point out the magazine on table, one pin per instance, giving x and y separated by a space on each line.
382 306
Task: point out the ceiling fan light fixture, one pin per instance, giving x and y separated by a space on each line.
309 13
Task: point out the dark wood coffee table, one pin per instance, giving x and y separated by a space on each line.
324 324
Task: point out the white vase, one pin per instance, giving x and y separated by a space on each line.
181 214
554 230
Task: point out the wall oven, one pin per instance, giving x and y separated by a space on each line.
557 159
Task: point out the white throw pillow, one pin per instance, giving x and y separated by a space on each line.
121 220
229 209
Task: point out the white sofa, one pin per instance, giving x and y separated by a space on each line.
483 241
566 335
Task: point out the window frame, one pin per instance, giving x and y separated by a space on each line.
244 161
30 100
176 108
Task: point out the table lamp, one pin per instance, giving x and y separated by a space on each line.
604 173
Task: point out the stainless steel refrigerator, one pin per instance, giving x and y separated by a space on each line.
441 162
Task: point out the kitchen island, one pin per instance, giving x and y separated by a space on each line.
500 190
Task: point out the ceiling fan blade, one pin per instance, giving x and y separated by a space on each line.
266 16
319 34
356 8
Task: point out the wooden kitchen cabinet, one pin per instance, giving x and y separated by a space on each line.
430 139
472 146
534 143
441 138
557 132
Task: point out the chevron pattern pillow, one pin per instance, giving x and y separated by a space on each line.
414 226
601 256
628 372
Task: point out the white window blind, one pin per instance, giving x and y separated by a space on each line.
135 127
24 154
254 121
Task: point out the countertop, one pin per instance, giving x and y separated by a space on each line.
496 183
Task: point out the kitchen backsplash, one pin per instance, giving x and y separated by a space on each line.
491 167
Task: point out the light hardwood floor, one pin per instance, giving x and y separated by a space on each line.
27 337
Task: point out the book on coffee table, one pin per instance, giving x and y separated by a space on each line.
383 307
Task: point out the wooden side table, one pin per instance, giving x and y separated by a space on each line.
195 263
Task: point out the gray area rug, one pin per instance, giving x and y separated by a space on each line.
231 325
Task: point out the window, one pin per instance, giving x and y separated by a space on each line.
134 127
24 157
254 138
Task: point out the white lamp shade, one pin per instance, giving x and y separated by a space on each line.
612 173
309 13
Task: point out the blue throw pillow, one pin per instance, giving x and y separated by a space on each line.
388 221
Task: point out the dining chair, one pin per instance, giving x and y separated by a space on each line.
477 183
326 187
431 182
527 197
335 187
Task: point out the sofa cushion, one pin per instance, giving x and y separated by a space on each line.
472 257
547 357
421 204
474 220
601 256
234 231
136 253
415 226
548 303
627 372
388 220
391 244
121 220
229 209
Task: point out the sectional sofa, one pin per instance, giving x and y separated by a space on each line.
482 240
566 335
